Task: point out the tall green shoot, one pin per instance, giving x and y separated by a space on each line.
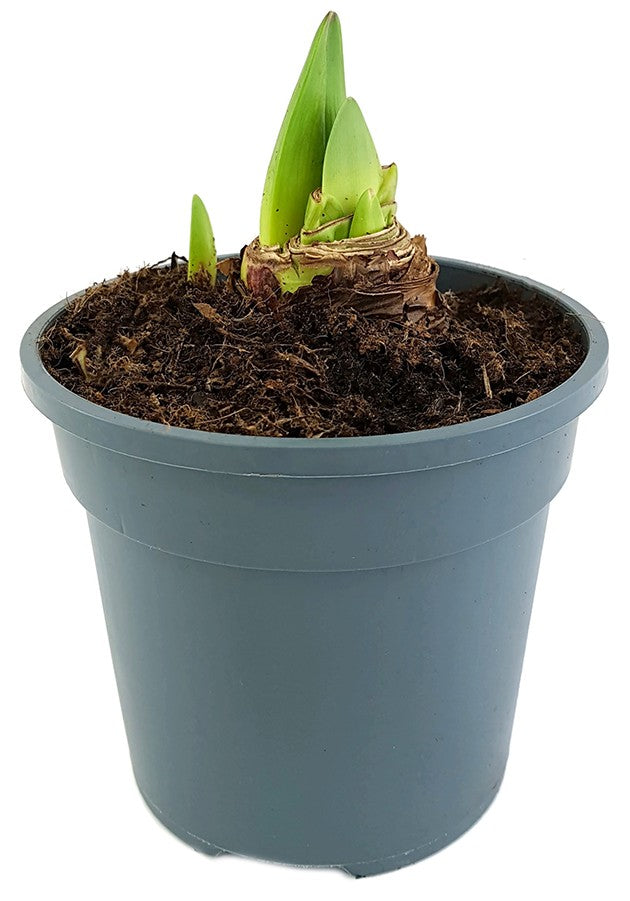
296 163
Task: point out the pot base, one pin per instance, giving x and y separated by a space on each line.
358 869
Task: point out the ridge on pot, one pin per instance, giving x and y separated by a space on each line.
318 642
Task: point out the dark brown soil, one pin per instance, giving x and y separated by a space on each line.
154 346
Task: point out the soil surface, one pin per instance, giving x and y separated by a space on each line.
152 345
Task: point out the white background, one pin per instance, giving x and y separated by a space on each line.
508 122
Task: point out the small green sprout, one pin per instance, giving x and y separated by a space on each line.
321 209
387 192
368 216
296 164
202 256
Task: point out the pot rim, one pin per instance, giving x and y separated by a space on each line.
398 452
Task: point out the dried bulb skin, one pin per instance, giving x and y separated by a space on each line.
388 273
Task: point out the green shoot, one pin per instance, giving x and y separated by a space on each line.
368 217
351 164
389 213
202 256
387 191
320 210
296 164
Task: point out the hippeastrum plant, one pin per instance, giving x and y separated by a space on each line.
329 207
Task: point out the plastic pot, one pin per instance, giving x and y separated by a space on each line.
318 643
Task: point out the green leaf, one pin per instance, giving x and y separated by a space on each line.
320 209
202 256
351 164
295 169
389 181
368 217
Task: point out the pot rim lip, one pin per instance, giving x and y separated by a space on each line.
50 396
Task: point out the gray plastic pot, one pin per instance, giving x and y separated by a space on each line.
318 643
